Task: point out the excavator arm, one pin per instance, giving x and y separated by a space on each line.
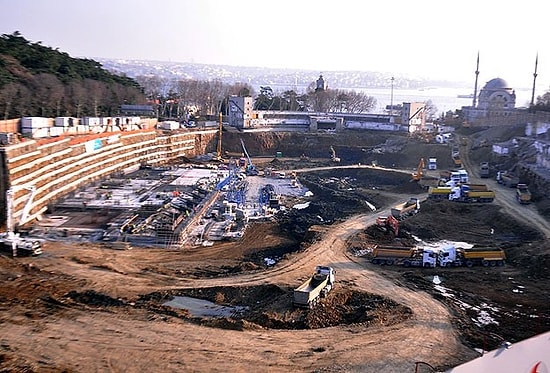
419 170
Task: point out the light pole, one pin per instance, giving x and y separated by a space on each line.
391 100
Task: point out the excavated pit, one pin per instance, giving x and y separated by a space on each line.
270 306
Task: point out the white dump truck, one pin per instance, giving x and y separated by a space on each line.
316 287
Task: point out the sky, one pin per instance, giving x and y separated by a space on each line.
425 38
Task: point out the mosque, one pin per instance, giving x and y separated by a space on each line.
495 101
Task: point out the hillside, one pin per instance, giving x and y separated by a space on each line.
36 80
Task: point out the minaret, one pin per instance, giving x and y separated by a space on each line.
475 86
534 81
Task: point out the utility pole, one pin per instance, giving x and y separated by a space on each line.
391 100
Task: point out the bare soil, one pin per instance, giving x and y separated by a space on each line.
84 307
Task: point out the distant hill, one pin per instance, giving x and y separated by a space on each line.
36 80
261 76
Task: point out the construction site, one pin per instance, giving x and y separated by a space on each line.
285 251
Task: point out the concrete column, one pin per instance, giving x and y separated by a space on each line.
313 124
339 124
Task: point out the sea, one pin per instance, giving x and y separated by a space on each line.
444 99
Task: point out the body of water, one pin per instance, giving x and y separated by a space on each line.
445 99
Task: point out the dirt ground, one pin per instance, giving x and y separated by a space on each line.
84 307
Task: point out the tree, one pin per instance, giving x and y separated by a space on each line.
7 96
95 93
543 102
349 101
77 98
48 94
431 110
51 83
290 101
265 99
153 87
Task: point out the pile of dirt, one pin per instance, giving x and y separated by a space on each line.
483 224
270 306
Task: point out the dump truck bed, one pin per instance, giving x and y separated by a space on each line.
309 290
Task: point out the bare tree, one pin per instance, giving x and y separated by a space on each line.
431 110
76 97
95 91
8 94
48 92
22 103
154 88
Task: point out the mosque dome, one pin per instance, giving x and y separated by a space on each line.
497 96
496 84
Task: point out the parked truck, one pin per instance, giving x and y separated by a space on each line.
439 192
402 210
450 256
456 160
523 195
471 193
484 171
401 255
316 287
507 179
453 178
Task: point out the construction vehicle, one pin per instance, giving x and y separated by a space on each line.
451 256
416 176
333 156
250 167
507 179
402 210
457 177
484 171
471 193
10 239
406 256
316 287
432 163
439 192
455 155
388 224
523 195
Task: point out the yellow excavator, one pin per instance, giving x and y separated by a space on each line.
416 176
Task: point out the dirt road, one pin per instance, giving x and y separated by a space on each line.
133 339
81 308
505 197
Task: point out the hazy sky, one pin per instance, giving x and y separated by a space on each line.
430 38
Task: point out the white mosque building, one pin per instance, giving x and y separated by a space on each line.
495 101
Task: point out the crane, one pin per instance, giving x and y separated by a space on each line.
10 197
10 237
250 168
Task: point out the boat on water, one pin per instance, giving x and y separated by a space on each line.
471 95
